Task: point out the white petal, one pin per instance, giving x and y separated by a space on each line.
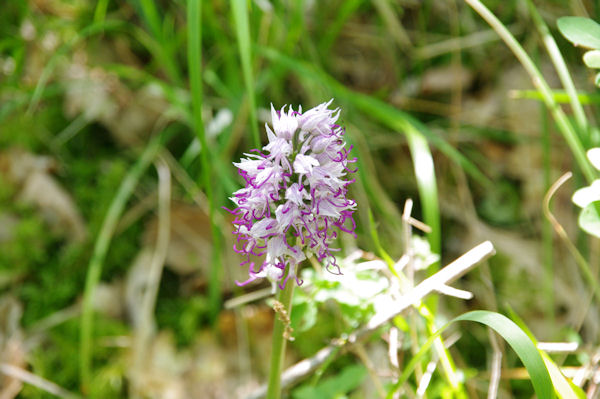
586 195
270 135
304 163
276 246
295 193
262 227
594 157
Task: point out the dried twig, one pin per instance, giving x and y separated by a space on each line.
445 276
36 381
496 368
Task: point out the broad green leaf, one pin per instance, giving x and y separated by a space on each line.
580 31
589 219
563 386
592 58
516 338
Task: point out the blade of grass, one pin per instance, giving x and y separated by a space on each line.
144 330
194 21
560 96
100 11
547 237
516 338
165 53
563 73
242 30
99 254
345 10
425 174
564 388
563 123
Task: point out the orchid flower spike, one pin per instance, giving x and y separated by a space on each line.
294 201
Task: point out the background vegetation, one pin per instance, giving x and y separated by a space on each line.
105 111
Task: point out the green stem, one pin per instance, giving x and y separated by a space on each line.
563 72
278 342
547 236
563 123
194 21
242 30
100 249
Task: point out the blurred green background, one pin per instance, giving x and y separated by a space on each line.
95 102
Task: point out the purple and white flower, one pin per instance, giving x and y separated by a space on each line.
294 199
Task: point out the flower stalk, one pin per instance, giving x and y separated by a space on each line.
292 207
281 329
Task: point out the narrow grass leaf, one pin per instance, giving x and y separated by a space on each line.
100 11
194 26
563 73
514 336
563 387
559 96
99 254
242 30
426 182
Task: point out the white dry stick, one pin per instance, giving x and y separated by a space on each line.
407 234
393 348
445 276
426 379
249 297
455 292
496 368
558 347
146 328
36 381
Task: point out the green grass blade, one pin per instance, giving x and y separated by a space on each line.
242 30
559 96
99 254
194 26
514 336
563 73
564 388
164 49
426 182
346 9
100 11
547 234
